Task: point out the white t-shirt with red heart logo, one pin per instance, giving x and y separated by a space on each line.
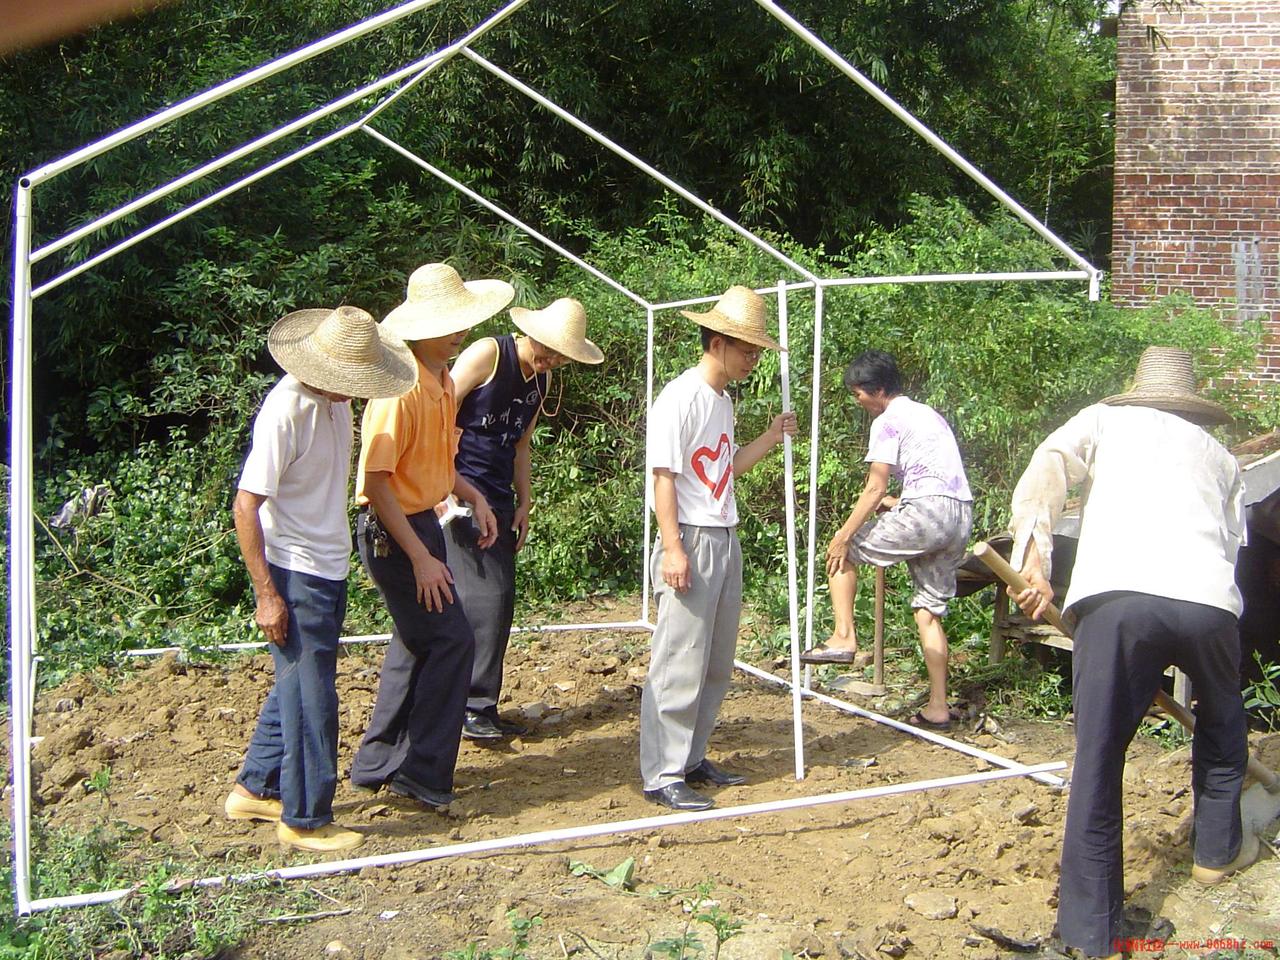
691 434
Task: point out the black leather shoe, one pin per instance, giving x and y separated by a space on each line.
480 726
679 796
708 772
509 728
403 786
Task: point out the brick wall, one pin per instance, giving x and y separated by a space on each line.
1197 190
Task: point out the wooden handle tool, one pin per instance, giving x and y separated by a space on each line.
1000 567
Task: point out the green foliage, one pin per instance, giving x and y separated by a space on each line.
701 909
621 877
1003 362
156 919
521 929
1262 696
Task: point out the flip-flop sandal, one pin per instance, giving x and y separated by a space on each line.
920 720
824 654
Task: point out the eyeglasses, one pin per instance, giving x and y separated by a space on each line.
750 351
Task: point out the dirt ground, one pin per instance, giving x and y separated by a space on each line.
921 875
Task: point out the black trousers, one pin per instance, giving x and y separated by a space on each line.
1123 644
486 584
422 690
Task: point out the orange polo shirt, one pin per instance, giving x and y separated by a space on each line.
414 438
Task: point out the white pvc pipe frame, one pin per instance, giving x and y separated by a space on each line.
23 657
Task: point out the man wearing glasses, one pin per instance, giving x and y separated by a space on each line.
697 564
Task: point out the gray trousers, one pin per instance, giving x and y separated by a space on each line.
485 582
691 662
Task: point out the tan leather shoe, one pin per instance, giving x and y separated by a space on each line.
239 807
324 839
1249 850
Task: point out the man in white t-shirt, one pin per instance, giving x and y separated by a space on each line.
291 521
697 564
927 525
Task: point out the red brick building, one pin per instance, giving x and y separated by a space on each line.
1197 177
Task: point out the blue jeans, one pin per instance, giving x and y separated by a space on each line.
293 754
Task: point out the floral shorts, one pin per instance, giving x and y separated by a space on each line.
931 534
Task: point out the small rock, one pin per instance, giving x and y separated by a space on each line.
566 686
335 948
656 842
534 711
943 828
388 914
569 772
64 705
807 943
1026 813
932 904
65 772
603 666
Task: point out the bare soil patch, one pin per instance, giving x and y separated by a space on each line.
856 880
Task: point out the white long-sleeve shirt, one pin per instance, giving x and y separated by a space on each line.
1162 511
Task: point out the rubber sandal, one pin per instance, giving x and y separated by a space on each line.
824 654
920 720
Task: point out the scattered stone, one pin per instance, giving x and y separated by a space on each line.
1026 813
806 943
534 711
64 705
65 773
336 948
569 772
656 842
199 820
603 666
566 686
932 904
388 914
943 828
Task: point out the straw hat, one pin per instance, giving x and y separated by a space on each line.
342 351
562 326
741 313
1165 381
440 303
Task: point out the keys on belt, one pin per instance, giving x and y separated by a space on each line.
378 537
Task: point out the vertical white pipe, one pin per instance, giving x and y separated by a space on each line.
814 429
21 548
648 487
793 599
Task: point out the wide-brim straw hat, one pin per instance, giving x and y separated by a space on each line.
741 313
342 351
1166 381
439 303
562 326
